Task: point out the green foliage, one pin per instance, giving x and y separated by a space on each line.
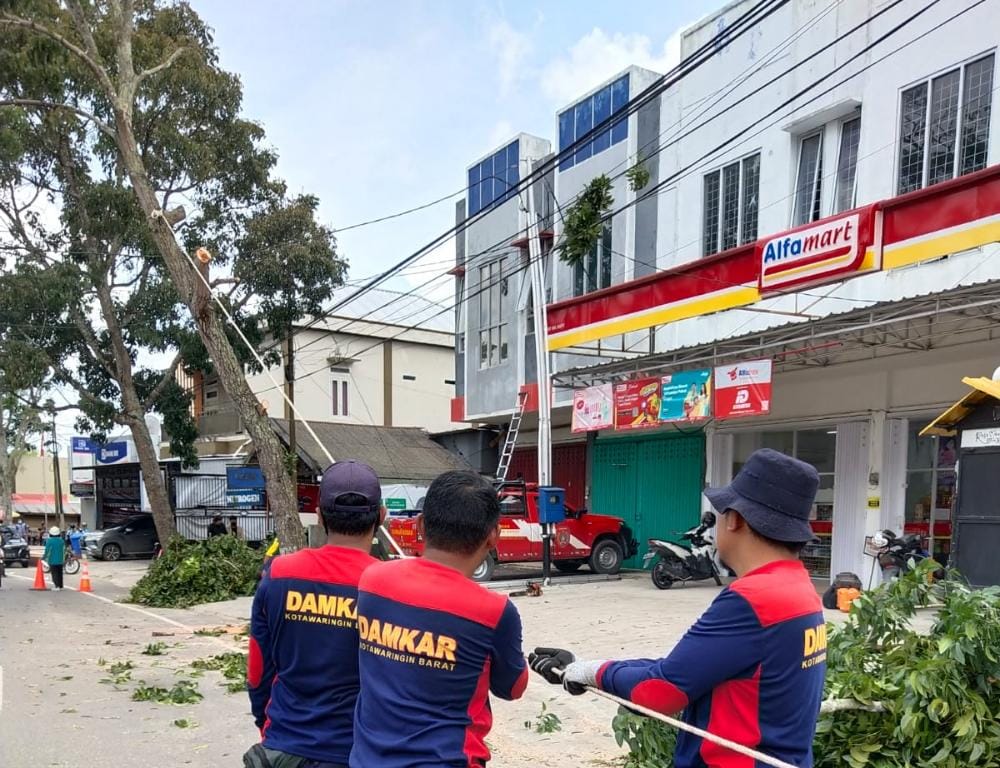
939 688
638 176
545 722
584 220
189 573
232 665
650 742
183 692
155 649
119 673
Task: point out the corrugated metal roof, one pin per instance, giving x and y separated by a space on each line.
395 308
397 454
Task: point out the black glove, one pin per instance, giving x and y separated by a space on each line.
550 663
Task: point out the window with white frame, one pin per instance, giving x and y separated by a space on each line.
492 319
847 165
809 180
731 202
594 271
339 391
944 125
836 144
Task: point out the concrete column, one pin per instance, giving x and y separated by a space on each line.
850 518
893 512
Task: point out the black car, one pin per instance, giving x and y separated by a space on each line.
15 549
136 537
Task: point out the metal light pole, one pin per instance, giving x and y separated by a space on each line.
536 269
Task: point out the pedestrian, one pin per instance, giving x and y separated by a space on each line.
752 667
76 541
302 671
216 527
234 528
434 644
55 556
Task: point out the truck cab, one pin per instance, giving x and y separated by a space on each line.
601 541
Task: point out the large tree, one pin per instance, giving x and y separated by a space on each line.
146 119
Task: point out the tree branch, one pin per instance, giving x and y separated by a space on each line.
165 64
88 58
163 383
37 104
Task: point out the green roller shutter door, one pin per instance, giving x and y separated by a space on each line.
653 482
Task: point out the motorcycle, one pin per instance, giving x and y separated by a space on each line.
898 552
692 560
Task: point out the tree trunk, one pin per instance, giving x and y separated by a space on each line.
281 490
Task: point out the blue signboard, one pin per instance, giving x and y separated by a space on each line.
84 445
244 478
109 453
687 396
245 499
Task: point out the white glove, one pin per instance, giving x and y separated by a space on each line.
580 674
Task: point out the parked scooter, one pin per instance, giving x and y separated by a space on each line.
691 561
898 552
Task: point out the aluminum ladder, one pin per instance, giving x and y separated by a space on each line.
511 440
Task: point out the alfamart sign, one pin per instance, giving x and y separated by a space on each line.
813 253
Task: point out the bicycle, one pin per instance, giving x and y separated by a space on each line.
70 567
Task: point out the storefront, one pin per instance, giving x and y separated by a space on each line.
817 447
930 488
652 480
569 469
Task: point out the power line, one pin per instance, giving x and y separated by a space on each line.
895 30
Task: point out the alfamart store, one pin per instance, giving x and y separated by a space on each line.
838 354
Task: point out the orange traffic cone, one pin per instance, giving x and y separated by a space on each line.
85 578
39 578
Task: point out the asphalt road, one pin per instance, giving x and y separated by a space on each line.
55 711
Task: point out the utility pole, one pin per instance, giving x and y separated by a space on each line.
56 479
537 272
290 401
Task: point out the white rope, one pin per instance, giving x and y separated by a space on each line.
253 351
682 726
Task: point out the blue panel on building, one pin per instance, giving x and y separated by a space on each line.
244 478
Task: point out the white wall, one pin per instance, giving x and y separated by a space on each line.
425 402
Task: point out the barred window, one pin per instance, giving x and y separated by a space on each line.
944 125
731 197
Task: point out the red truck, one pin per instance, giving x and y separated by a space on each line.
602 541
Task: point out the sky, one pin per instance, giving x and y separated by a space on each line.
380 107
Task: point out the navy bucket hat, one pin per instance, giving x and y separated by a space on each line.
774 493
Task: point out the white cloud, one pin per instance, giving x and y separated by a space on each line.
597 56
512 49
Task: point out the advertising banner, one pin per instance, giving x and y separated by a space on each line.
743 389
244 478
687 396
637 404
593 408
84 445
245 498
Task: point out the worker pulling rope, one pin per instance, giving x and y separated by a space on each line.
204 257
749 675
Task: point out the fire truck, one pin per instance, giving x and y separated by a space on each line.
600 541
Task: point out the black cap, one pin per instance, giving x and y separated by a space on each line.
349 477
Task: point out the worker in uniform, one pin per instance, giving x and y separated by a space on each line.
752 668
434 644
302 670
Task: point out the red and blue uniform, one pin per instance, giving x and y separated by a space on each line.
433 646
302 671
751 670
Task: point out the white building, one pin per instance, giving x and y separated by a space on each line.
383 359
817 110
